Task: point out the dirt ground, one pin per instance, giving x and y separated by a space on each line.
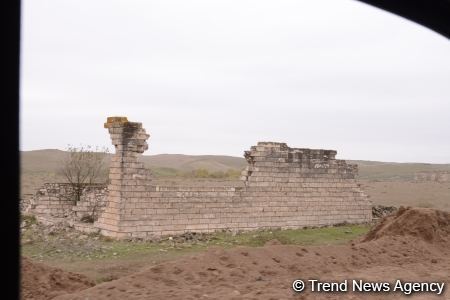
40 281
104 259
413 245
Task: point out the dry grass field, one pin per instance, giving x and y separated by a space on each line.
409 193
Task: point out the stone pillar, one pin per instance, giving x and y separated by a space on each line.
127 175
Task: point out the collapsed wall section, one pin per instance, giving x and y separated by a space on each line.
53 200
276 164
57 200
309 185
437 176
284 188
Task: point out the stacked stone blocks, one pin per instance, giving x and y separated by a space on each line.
128 176
56 200
437 176
284 188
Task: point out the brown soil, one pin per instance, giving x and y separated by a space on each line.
391 251
43 282
423 223
411 245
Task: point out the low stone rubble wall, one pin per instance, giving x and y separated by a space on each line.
438 176
55 200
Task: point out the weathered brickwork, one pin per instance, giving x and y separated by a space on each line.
438 176
92 202
284 188
129 180
55 200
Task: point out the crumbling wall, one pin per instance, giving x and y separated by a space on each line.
275 164
55 200
129 180
284 188
438 176
92 203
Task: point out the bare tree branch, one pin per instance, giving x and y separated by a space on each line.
83 166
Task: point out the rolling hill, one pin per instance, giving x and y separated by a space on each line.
48 161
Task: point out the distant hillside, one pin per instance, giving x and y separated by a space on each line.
45 163
40 166
38 161
191 162
376 170
49 160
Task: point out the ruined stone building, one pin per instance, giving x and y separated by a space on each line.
283 188
437 176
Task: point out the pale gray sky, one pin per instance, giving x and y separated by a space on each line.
215 77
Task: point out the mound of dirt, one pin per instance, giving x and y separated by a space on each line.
427 224
268 272
39 281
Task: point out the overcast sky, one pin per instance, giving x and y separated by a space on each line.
215 77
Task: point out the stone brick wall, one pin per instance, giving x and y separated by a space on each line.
275 164
92 202
438 176
54 200
129 180
284 188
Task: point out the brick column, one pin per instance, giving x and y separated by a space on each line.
127 174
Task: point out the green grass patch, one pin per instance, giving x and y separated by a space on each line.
310 236
28 219
94 247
